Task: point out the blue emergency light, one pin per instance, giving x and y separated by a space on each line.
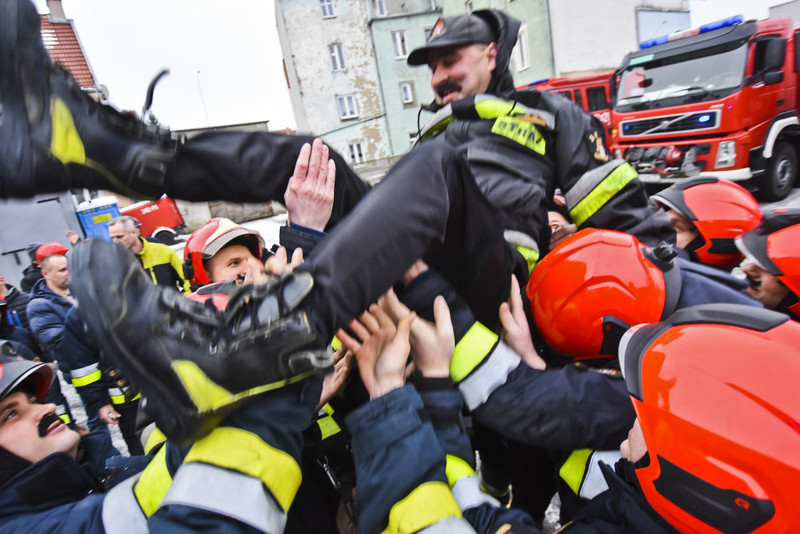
704 118
711 26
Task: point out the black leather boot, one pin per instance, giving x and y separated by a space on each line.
193 363
53 137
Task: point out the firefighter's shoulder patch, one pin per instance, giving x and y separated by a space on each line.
597 146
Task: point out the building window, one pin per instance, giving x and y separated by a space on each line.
347 106
337 56
380 7
400 46
356 153
407 93
520 52
327 8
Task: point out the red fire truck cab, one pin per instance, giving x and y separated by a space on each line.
591 92
720 100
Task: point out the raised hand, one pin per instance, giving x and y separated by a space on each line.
309 195
516 332
382 351
431 344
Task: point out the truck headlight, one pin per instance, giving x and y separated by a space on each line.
726 154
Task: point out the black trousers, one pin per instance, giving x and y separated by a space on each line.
428 206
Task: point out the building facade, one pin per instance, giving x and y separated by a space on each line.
349 82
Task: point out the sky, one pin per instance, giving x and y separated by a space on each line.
224 56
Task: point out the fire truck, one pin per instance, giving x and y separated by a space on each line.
591 92
720 100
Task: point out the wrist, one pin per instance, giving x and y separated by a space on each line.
383 387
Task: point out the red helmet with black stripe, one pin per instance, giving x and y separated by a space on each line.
715 390
720 210
773 245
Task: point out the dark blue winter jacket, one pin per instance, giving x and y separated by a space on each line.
46 314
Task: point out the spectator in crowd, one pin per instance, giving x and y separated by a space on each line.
160 261
31 274
17 302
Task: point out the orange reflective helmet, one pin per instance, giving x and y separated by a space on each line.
210 239
589 289
774 246
715 391
719 209
50 249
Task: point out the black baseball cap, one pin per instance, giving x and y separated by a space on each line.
453 31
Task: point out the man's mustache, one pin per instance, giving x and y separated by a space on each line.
45 423
755 284
447 87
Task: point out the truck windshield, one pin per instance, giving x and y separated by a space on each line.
702 74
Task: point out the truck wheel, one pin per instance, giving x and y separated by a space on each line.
781 173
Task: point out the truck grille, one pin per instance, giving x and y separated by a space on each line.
667 124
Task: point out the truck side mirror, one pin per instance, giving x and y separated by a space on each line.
773 77
775 54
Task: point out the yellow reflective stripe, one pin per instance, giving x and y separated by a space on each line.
531 256
117 399
428 503
65 418
520 131
573 470
605 190
155 438
87 379
209 396
153 484
65 143
476 344
490 109
327 424
456 469
336 343
245 452
137 397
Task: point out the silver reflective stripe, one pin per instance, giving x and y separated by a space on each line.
589 181
121 511
84 371
516 237
468 494
112 392
449 525
226 493
594 483
492 374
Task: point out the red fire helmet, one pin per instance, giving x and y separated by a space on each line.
715 391
719 209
